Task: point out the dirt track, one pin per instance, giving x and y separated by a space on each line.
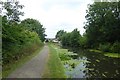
34 68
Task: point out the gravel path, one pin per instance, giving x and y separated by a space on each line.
34 68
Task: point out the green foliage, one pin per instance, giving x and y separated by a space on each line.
60 34
55 68
32 49
102 23
71 39
65 39
64 55
116 47
107 47
17 40
75 38
83 41
34 25
102 26
12 10
104 47
114 55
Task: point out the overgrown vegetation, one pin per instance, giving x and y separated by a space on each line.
9 68
102 29
68 59
19 38
114 55
54 67
102 26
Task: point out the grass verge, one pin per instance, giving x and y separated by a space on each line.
13 66
54 67
114 55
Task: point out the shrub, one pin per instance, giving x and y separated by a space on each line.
17 42
104 47
115 47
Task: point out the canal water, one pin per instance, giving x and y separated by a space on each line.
93 65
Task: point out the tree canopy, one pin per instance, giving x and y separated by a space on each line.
70 39
19 37
59 34
102 29
103 23
34 25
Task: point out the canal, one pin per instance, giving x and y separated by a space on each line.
92 65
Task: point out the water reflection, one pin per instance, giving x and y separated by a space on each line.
95 65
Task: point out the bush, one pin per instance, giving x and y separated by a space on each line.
104 47
115 47
17 42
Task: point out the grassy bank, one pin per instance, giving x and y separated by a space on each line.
9 68
54 67
114 55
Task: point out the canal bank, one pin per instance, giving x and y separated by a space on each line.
88 64
114 55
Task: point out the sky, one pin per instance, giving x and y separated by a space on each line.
57 15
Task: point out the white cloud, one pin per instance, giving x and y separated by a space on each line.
57 14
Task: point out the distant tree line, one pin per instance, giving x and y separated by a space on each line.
19 38
102 29
70 39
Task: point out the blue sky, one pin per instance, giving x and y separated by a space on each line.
57 14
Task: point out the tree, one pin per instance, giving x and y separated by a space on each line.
83 41
75 38
16 40
34 25
71 39
9 20
65 40
12 11
60 34
102 23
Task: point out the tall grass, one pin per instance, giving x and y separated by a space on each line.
107 47
27 52
54 67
